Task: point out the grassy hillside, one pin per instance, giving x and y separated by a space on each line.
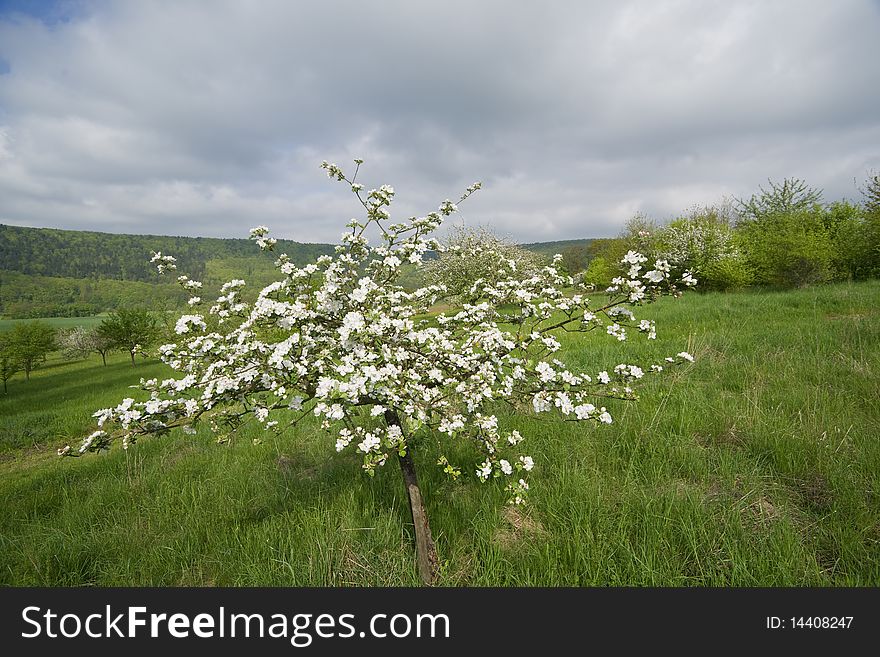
757 465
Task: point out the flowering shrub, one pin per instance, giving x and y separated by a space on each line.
469 261
705 244
340 340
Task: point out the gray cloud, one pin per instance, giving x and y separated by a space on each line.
205 118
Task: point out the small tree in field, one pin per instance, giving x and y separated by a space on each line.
80 341
9 362
30 343
342 341
129 330
100 343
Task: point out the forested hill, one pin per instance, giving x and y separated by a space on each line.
45 272
91 255
552 248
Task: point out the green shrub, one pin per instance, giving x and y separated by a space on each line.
600 272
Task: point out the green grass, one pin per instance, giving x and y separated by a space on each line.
758 465
56 322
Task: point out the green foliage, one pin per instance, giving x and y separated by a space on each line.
26 296
550 249
90 255
871 192
130 330
871 228
850 240
612 249
603 257
576 258
789 249
28 344
9 360
600 272
704 243
725 274
792 195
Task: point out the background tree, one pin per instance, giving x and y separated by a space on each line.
30 343
80 342
785 235
704 242
129 330
100 343
576 258
847 227
791 195
871 193
75 342
605 254
472 255
871 230
9 363
789 249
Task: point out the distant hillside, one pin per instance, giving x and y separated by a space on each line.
46 272
552 248
82 254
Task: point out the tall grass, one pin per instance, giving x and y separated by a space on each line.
758 465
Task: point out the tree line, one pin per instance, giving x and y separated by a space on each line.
28 344
24 296
784 236
93 255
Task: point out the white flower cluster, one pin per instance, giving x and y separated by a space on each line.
342 341
166 262
259 234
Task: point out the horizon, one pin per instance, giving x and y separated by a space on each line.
244 239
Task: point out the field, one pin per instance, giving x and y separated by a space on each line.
56 322
759 465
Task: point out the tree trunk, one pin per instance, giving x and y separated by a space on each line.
104 358
426 552
132 358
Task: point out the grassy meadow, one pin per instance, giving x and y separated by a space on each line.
56 322
758 465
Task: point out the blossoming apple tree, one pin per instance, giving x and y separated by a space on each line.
342 341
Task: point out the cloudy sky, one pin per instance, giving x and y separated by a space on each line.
205 118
